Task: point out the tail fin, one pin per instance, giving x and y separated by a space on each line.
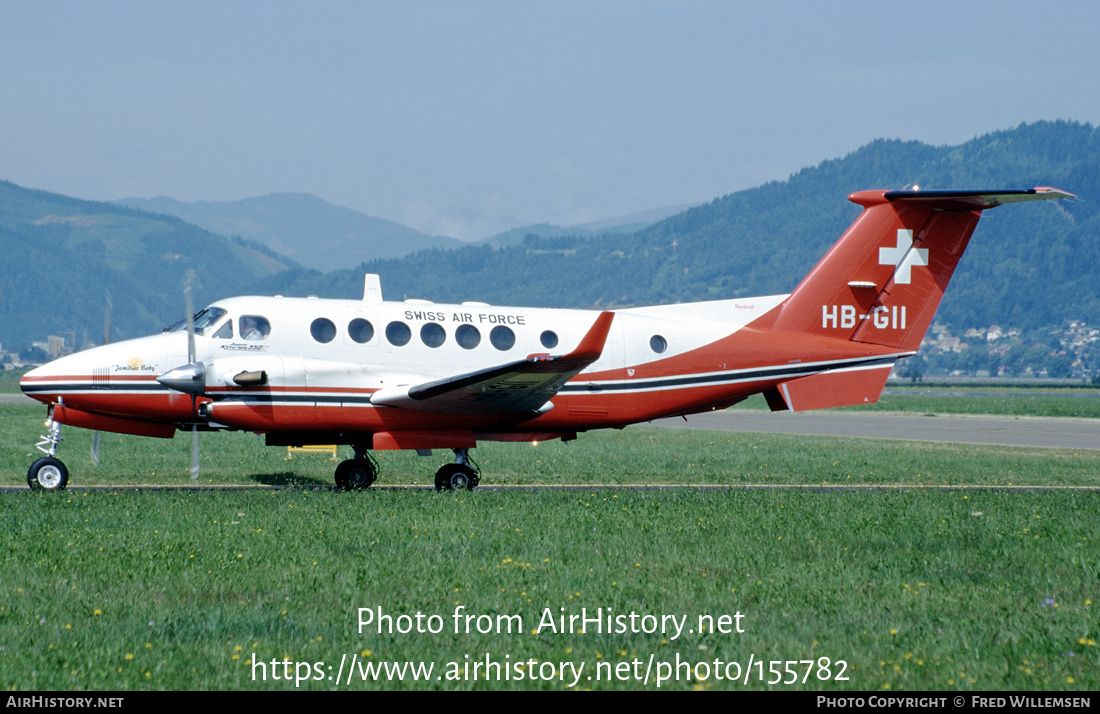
883 280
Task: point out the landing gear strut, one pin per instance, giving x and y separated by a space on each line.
48 473
462 475
358 473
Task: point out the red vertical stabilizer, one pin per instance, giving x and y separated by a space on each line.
883 280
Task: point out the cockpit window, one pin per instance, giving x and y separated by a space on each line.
207 319
225 332
204 320
254 327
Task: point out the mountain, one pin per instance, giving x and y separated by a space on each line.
302 227
63 255
1028 266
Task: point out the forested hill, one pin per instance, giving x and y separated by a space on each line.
62 255
1028 265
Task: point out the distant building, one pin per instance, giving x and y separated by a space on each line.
55 346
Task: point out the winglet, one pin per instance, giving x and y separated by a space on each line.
591 346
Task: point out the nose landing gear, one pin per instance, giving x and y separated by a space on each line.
48 473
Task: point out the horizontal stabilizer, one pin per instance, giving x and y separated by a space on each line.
832 389
518 387
977 200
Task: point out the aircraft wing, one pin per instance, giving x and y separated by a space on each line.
525 385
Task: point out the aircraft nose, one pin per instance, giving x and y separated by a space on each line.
26 380
41 383
101 369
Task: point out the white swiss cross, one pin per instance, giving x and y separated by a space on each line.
904 256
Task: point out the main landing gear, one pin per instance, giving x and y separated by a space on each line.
48 473
462 475
358 473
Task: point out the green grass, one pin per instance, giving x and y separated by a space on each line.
167 590
913 589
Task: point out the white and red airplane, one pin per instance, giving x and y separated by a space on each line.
378 375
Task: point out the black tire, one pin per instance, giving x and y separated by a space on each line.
355 474
361 474
456 477
48 474
341 476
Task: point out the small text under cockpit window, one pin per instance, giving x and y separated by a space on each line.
254 327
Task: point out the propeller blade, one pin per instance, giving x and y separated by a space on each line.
190 324
95 448
194 451
190 379
107 319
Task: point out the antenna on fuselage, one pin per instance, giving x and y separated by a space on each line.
372 288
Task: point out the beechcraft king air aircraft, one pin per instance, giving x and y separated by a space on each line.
378 375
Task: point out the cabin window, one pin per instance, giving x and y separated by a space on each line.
253 327
225 332
658 344
549 339
398 333
323 330
467 336
360 330
432 334
502 338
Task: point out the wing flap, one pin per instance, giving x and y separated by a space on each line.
523 386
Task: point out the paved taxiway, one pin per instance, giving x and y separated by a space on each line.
1060 433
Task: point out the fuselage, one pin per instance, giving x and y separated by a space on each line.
322 359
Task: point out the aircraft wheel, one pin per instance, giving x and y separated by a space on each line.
48 474
355 474
456 477
361 474
342 475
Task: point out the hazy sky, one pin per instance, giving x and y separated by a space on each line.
467 118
